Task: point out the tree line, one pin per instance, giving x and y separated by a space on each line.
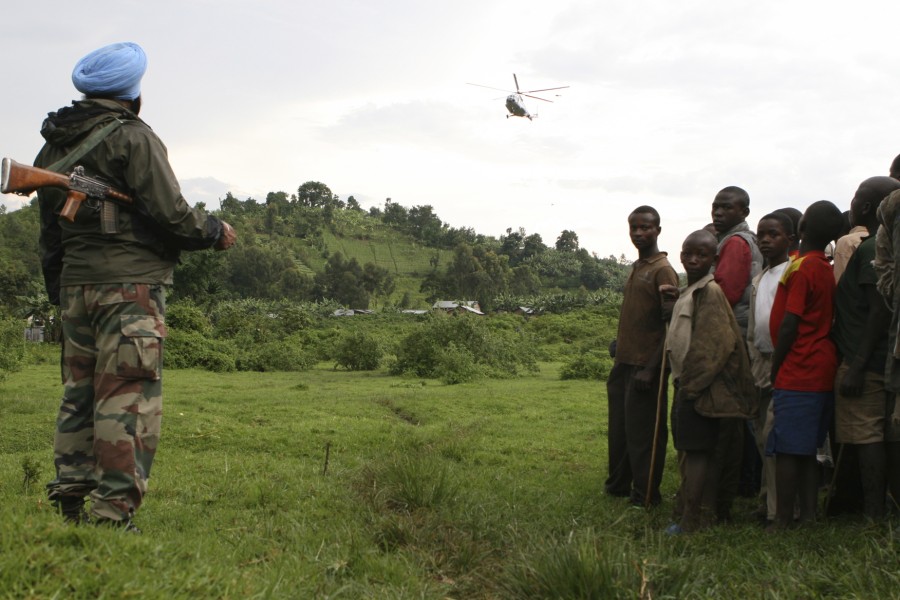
281 236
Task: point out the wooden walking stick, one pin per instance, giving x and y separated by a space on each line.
659 397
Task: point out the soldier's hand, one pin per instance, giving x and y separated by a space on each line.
228 237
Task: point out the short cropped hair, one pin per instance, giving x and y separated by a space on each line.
739 194
794 214
895 167
787 223
822 222
646 210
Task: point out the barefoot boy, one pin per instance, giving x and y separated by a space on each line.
712 377
633 383
804 362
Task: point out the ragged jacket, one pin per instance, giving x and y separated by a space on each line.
715 372
150 235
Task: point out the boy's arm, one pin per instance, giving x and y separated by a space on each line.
665 280
884 263
646 377
877 322
787 335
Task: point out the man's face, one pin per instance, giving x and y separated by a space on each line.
727 212
643 230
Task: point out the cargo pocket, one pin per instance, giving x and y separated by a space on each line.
139 355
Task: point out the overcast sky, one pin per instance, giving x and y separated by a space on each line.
669 102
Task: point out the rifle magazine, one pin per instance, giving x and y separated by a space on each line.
109 217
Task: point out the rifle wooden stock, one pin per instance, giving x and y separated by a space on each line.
22 179
17 178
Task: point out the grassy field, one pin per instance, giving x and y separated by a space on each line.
331 484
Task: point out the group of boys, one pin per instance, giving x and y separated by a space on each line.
770 347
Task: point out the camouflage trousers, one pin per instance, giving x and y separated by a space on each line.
109 419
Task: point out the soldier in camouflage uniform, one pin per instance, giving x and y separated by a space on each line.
108 271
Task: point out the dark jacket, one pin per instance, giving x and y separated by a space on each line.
150 235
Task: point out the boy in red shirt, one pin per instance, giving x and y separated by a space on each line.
804 363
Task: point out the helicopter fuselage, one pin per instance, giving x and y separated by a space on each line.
515 104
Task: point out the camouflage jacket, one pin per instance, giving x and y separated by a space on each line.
150 234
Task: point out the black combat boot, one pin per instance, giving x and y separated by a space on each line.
126 525
72 509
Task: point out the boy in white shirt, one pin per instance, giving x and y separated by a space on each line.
775 235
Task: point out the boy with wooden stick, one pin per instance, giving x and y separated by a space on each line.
635 392
712 377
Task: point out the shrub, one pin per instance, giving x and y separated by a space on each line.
288 354
593 364
250 317
46 353
498 353
184 315
455 365
12 346
358 351
192 350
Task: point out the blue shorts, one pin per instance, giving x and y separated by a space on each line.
801 422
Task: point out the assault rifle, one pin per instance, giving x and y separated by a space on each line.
17 178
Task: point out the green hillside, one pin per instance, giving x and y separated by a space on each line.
312 246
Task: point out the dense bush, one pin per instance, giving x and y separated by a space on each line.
456 365
591 364
358 351
193 350
431 351
289 354
250 318
12 346
576 326
186 316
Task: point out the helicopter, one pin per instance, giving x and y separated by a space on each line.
515 102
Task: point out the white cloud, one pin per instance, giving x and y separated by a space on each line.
669 102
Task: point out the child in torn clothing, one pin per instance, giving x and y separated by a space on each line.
712 377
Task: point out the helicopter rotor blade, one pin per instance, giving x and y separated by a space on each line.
536 97
491 88
516 79
545 90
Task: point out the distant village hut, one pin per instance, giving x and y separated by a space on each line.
458 306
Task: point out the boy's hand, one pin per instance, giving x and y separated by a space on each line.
669 291
852 382
668 296
643 379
